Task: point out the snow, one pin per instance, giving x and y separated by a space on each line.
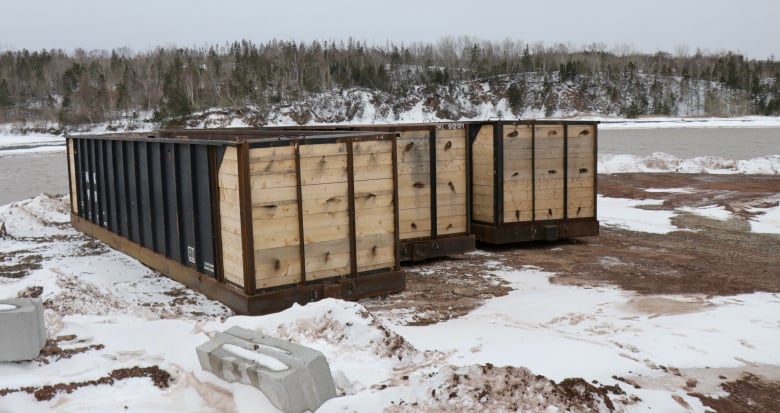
717 212
766 220
662 162
628 214
7 307
377 362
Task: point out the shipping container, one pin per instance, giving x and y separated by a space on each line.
433 186
533 180
255 219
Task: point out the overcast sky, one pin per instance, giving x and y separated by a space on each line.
751 27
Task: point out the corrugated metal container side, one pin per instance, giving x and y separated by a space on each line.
533 180
257 220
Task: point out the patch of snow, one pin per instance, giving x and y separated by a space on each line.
662 162
264 360
765 220
670 190
626 214
717 212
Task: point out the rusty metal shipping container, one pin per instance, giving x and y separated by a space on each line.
257 220
433 182
533 180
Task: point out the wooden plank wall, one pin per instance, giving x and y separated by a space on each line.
451 170
74 197
325 194
276 236
230 218
374 205
581 174
549 173
414 184
518 177
482 176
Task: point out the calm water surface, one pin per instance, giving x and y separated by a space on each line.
684 143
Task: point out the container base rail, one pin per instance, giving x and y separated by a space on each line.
262 302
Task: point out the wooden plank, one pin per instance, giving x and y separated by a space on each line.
517 132
280 209
276 232
323 169
74 197
232 258
482 212
482 175
413 168
451 225
381 160
307 150
378 201
275 154
581 131
374 252
486 190
548 131
452 134
230 154
372 146
230 213
375 221
326 226
324 198
272 180
414 202
273 196
277 266
327 259
521 214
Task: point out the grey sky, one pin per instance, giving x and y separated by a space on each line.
747 26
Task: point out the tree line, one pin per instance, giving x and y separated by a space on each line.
172 83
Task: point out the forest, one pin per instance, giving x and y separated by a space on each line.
171 85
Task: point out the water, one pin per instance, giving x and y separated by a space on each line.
26 175
686 143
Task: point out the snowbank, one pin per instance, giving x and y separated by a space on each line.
662 162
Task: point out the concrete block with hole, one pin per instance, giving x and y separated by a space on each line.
295 378
23 331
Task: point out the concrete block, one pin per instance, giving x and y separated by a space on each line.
295 378
23 331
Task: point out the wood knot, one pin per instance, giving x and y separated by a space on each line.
552 172
448 145
277 264
515 174
373 250
583 170
584 132
419 185
517 214
327 255
578 210
512 134
549 212
409 146
552 132
451 185
414 226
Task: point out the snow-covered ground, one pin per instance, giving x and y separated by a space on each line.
141 319
131 316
